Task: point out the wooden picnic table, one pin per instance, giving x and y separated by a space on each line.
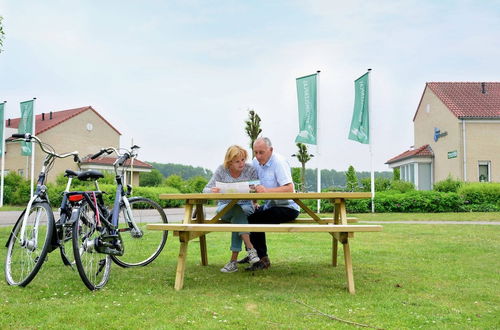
195 225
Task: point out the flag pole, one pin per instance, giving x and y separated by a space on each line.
33 151
372 174
317 139
3 155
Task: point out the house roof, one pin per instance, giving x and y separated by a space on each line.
423 151
45 121
111 160
473 100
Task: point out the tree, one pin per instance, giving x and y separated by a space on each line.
351 179
2 34
151 179
303 156
396 174
252 127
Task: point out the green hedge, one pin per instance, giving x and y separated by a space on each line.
475 197
56 192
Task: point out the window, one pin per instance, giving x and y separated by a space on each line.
21 172
484 171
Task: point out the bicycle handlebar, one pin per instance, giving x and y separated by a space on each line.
122 157
32 138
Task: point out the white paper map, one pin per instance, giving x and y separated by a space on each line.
236 187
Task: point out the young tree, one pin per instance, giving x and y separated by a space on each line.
303 156
396 174
351 179
252 127
2 34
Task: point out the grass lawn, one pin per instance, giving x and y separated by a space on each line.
408 276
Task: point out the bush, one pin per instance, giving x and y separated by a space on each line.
402 186
381 184
448 185
478 196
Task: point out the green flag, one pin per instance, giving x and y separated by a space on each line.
306 96
360 124
2 108
26 125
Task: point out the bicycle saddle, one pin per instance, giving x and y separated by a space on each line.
71 173
90 175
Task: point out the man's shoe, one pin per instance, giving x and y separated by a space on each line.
252 256
230 267
245 260
264 263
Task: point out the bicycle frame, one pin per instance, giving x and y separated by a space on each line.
40 192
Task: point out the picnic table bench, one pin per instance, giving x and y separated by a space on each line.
198 226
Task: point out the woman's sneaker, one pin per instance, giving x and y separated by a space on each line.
252 256
230 267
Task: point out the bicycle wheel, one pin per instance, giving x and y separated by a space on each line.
142 247
25 255
93 267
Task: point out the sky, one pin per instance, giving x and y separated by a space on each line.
178 77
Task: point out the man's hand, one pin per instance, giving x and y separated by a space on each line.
260 189
215 189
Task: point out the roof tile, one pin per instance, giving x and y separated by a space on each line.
423 151
58 117
469 99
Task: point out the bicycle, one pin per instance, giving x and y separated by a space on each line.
35 233
101 232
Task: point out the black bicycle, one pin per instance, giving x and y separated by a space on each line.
119 234
35 233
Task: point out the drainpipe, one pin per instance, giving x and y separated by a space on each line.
464 136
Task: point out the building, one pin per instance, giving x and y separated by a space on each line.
81 129
456 133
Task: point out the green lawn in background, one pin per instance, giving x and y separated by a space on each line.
408 276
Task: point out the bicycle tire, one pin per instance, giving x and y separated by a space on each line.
94 267
141 248
23 263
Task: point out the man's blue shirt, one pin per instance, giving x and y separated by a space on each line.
275 173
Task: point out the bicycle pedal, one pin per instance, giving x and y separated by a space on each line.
109 247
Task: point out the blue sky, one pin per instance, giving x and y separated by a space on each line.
177 77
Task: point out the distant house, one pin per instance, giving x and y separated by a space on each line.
81 129
456 133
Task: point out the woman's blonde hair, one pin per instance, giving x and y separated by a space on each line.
233 152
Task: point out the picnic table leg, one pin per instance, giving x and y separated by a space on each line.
348 267
181 262
200 218
335 244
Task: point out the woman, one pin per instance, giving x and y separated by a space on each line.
235 169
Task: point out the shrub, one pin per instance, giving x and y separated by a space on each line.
381 184
448 185
402 186
481 195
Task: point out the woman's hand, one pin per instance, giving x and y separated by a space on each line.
215 190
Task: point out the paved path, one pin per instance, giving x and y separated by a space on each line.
8 218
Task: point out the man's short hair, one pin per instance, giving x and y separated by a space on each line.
266 140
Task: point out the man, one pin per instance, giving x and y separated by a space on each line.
275 176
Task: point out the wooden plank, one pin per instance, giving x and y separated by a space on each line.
322 220
263 228
348 268
181 266
200 218
307 210
260 196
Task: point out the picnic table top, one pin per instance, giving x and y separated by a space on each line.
240 196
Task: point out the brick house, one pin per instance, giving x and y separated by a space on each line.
82 129
456 133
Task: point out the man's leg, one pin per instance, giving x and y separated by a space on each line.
273 215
